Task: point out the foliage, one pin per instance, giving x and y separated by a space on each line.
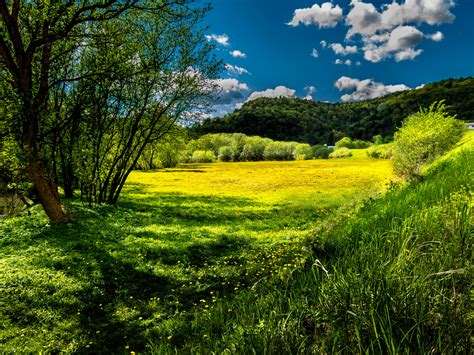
203 156
279 151
380 151
226 154
423 137
378 139
321 151
347 142
341 153
291 119
303 152
96 84
180 241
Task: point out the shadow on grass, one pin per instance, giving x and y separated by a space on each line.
121 267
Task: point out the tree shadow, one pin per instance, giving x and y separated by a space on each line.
121 268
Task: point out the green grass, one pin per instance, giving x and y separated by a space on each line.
180 242
393 277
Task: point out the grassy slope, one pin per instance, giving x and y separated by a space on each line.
180 240
392 278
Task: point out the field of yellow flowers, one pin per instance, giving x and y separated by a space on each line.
180 239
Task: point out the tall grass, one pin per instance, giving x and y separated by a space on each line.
394 277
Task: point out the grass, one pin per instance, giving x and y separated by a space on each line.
182 242
393 277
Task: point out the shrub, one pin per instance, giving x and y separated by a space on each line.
203 156
226 154
384 152
347 142
302 152
378 139
423 137
321 152
254 148
341 153
279 151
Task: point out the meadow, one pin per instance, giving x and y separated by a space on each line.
179 242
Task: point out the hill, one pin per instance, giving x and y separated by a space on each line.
319 122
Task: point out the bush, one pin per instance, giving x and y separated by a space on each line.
423 137
279 151
347 142
254 148
226 154
321 152
302 152
203 156
378 139
384 152
341 153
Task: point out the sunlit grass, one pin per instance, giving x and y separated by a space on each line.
318 183
180 240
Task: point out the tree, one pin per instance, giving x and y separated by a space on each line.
35 39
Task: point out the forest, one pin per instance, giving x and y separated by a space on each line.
316 122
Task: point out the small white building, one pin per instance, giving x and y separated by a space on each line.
470 125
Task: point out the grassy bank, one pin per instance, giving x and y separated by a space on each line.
394 277
179 242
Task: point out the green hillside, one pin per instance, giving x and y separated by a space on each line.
319 123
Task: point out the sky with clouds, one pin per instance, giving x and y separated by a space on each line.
339 50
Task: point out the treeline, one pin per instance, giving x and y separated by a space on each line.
87 88
312 122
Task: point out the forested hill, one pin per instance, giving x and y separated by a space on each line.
318 122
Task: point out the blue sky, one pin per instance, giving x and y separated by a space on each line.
361 48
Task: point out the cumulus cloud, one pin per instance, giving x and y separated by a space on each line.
365 89
221 39
391 30
238 54
235 70
326 15
437 36
407 54
365 19
400 43
228 91
314 53
341 50
323 43
279 91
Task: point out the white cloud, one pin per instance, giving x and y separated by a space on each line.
437 36
238 54
365 19
326 15
341 50
221 39
347 62
420 86
228 91
407 54
235 70
323 44
365 89
310 90
279 91
314 53
392 30
400 43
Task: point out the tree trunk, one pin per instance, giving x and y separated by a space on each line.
47 191
35 170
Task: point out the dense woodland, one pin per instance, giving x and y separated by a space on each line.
325 123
